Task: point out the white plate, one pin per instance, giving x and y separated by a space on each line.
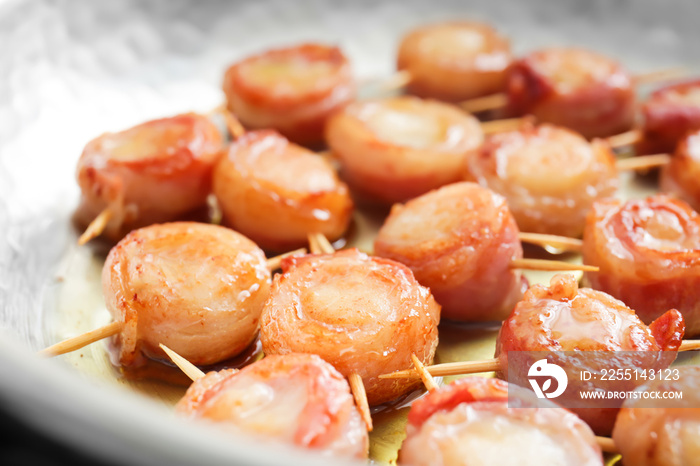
71 70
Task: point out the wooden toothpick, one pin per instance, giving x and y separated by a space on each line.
689 345
190 370
425 376
559 242
627 138
487 365
506 124
667 74
96 227
358 392
319 244
273 263
450 368
550 265
643 162
234 127
75 343
606 444
482 104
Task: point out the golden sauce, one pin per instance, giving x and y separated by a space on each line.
165 370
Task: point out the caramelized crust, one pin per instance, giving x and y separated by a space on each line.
669 114
292 90
563 317
154 172
392 150
459 241
658 432
362 314
478 421
297 399
549 175
648 251
680 177
574 88
455 61
276 192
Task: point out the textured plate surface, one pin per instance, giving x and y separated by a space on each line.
71 70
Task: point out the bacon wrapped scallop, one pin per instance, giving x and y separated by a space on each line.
575 88
648 252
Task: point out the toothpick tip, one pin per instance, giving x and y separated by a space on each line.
190 370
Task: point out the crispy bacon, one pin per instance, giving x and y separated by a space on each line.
575 88
197 288
478 421
276 192
648 251
459 241
362 314
669 114
549 175
662 432
680 177
392 150
455 61
466 390
292 90
296 398
154 172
